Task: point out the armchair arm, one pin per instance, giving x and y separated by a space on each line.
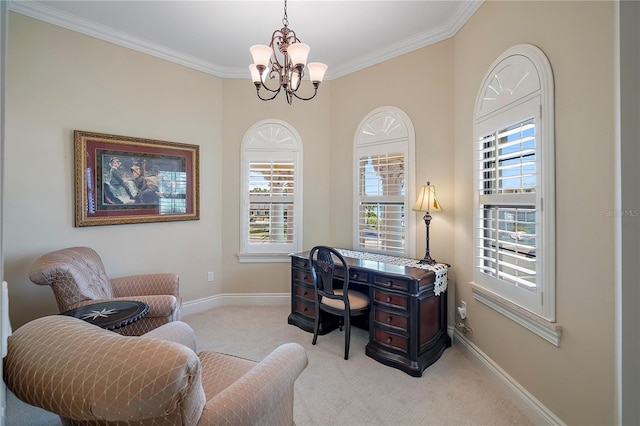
146 285
79 371
177 331
252 398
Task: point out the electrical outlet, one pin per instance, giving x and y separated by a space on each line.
210 277
462 309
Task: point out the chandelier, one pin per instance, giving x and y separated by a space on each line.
284 59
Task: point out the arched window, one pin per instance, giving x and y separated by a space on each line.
384 175
514 224
271 201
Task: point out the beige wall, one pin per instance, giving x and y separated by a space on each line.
59 81
576 380
311 120
421 84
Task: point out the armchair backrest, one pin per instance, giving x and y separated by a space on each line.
79 371
75 274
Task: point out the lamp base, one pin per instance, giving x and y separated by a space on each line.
427 260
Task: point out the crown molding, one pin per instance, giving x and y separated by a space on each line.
447 30
101 32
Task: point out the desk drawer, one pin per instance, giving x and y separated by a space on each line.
395 283
354 276
300 275
391 299
297 262
304 309
390 319
392 340
305 292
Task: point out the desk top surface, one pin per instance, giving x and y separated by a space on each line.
410 268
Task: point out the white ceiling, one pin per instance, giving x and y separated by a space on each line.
214 36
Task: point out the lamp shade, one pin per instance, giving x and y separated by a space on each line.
255 74
427 200
261 54
298 53
316 71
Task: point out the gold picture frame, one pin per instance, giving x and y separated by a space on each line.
122 180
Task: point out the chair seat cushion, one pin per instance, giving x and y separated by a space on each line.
357 300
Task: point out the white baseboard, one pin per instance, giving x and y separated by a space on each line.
527 403
239 299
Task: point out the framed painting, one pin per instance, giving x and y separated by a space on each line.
123 179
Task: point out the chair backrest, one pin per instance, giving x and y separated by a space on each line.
322 261
79 371
75 274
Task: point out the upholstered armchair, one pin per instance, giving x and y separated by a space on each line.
77 277
91 376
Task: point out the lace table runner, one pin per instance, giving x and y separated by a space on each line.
440 269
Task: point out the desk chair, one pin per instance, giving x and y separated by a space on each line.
332 296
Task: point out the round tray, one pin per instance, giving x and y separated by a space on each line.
110 315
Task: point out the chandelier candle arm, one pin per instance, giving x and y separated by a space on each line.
284 60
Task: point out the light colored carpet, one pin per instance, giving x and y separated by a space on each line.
335 392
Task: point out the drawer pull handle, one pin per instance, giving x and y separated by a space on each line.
388 299
388 339
389 319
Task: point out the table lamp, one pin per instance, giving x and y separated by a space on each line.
427 201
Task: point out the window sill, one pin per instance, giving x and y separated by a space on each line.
547 330
263 257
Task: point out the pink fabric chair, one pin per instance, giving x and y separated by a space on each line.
77 277
91 376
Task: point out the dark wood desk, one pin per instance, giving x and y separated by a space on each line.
408 318
111 314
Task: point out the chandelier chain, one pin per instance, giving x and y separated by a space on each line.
285 19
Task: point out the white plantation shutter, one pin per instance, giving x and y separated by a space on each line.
382 197
271 201
514 169
507 186
383 183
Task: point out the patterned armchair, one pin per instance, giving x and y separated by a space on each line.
77 277
91 376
